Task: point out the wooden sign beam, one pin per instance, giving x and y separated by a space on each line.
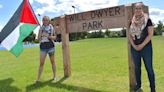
65 47
131 68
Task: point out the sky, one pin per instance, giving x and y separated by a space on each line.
54 8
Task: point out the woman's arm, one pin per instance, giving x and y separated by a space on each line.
39 34
52 37
148 38
131 40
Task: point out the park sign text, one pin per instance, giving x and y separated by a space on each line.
113 17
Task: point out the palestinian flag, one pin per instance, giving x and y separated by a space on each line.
21 24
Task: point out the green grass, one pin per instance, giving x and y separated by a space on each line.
98 65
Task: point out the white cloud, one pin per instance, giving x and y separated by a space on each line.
156 15
65 6
60 7
96 4
47 6
46 2
31 1
1 6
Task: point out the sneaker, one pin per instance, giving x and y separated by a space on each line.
36 81
153 90
139 90
54 79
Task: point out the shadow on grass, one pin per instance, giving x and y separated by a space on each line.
59 85
5 86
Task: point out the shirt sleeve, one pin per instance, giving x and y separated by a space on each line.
40 33
52 30
149 23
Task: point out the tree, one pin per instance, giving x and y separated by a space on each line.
30 38
72 36
100 34
107 33
159 28
123 32
96 34
83 35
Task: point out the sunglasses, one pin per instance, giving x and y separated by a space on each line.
45 20
138 8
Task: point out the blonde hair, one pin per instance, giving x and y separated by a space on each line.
46 18
139 4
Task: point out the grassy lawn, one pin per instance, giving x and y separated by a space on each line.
98 65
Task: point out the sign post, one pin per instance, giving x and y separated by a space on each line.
132 81
65 47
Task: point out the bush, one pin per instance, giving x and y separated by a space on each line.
36 41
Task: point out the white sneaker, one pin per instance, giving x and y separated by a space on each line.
139 90
36 81
54 79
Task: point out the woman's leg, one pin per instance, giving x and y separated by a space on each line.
42 60
53 63
137 62
147 54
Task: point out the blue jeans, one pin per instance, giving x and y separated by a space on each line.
146 54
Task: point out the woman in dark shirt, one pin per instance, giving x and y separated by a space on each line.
141 32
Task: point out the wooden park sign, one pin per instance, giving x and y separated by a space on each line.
112 17
97 19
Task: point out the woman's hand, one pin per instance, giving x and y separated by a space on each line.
134 46
147 40
140 47
44 34
132 43
52 37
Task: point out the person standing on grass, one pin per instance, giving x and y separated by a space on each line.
141 32
46 37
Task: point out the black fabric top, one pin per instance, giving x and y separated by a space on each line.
144 33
